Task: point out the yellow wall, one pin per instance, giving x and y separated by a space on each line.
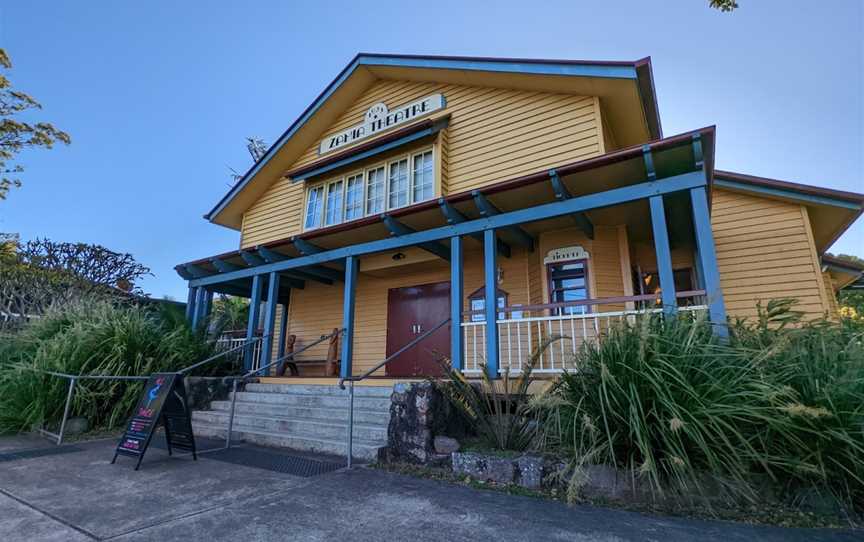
765 250
494 135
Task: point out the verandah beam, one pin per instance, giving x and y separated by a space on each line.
224 267
561 193
487 209
453 216
348 301
397 229
316 273
597 200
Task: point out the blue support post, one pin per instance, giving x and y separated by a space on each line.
283 332
664 255
349 299
456 295
490 273
269 321
206 307
200 294
190 303
707 254
252 324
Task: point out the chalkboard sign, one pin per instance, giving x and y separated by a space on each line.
163 402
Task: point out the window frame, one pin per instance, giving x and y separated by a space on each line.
560 311
325 184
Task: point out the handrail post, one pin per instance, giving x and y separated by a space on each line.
66 410
231 413
350 423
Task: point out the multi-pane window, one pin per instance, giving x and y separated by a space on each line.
354 197
399 182
333 213
568 281
314 207
375 183
421 180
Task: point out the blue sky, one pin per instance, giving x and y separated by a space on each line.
158 96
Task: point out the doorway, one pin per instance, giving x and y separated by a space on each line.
412 311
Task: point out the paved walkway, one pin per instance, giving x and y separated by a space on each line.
79 496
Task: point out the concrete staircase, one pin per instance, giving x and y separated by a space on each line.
302 417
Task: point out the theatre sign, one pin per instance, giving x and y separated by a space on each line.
379 118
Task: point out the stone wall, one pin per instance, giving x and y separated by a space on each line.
202 390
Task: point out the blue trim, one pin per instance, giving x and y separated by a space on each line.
369 153
488 209
513 66
195 270
607 198
561 193
251 259
453 216
348 302
664 255
269 320
199 304
648 159
789 194
283 331
252 323
223 266
490 276
707 255
457 293
305 247
270 256
206 308
397 228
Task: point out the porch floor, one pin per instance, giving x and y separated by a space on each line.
334 380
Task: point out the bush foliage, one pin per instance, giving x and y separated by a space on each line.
89 338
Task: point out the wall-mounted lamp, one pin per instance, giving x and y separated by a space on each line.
398 256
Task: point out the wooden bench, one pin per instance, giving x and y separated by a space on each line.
331 364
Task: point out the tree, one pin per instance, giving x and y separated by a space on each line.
94 264
17 135
724 5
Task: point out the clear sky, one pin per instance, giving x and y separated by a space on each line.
159 95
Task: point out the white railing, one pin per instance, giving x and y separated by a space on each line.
227 342
522 331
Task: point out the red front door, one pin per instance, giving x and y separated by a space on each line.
411 312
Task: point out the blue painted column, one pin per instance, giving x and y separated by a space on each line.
349 299
190 303
707 254
664 255
197 311
206 308
269 321
252 324
456 296
490 274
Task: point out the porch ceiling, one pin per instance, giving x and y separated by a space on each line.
671 156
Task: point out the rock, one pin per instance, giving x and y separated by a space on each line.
529 471
75 426
446 445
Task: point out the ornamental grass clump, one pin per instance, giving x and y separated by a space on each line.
96 338
681 409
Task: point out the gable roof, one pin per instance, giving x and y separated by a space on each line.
366 68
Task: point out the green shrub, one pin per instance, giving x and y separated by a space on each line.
669 401
88 338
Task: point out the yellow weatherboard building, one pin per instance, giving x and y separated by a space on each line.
429 206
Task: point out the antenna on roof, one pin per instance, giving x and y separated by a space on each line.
256 147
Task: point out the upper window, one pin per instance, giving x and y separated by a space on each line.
568 281
399 182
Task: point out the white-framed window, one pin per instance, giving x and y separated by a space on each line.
354 197
314 207
376 185
398 182
333 211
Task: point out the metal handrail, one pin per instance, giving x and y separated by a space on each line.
352 379
243 377
245 344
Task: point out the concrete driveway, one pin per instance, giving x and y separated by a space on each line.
78 496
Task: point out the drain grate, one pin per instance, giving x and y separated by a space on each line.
277 462
37 452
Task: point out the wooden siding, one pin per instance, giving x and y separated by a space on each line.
830 295
494 134
765 251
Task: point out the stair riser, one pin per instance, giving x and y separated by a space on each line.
335 391
339 415
359 451
315 401
292 427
